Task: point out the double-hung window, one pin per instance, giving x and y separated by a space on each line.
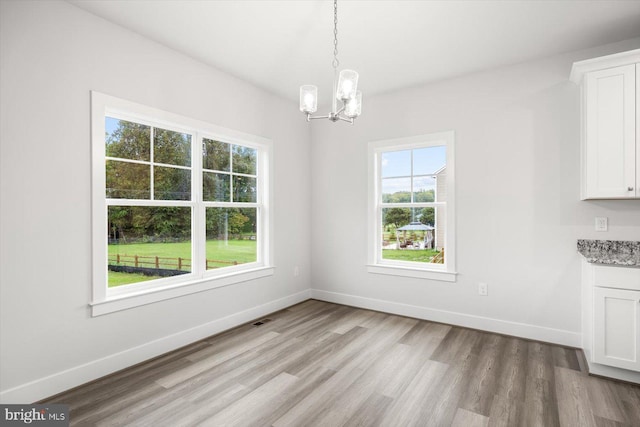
179 205
411 205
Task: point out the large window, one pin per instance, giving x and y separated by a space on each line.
411 205
179 205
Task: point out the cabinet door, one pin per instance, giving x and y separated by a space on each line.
610 140
617 328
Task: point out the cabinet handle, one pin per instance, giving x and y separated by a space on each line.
630 188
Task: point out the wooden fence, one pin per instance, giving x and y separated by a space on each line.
158 262
438 258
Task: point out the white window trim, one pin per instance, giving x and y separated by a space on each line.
106 300
376 264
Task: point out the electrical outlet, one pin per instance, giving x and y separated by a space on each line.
296 271
601 223
483 289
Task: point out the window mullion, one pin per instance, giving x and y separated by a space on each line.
411 187
412 205
199 239
118 159
230 172
151 159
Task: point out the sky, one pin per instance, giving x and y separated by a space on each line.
110 124
426 161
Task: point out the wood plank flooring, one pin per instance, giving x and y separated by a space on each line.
324 364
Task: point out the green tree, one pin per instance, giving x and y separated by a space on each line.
171 148
397 197
129 141
128 180
232 220
236 221
424 196
143 223
396 217
428 216
169 223
216 155
244 160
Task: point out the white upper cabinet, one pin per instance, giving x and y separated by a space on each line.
610 146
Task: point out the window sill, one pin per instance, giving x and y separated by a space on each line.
417 273
124 302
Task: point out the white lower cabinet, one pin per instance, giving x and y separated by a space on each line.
611 320
616 338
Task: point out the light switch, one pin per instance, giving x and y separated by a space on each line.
601 223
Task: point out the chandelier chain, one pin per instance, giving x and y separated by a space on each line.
335 35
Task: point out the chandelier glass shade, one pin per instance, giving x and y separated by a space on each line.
308 99
345 88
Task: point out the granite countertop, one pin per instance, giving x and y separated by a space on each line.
612 252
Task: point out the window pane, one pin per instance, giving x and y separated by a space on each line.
430 160
396 163
244 160
127 180
231 237
171 183
127 140
244 189
215 155
216 187
147 243
413 234
424 189
172 148
396 190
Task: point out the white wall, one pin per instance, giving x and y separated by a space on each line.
52 55
517 188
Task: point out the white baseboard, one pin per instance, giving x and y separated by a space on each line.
523 330
61 381
610 371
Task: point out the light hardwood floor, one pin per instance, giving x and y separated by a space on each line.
324 364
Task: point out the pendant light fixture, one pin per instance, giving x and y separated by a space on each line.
345 87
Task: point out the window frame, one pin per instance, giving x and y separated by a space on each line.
107 300
378 265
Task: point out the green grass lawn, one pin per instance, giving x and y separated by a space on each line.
415 255
226 253
242 251
119 279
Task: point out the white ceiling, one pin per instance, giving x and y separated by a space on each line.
279 45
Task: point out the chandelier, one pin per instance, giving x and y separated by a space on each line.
345 87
